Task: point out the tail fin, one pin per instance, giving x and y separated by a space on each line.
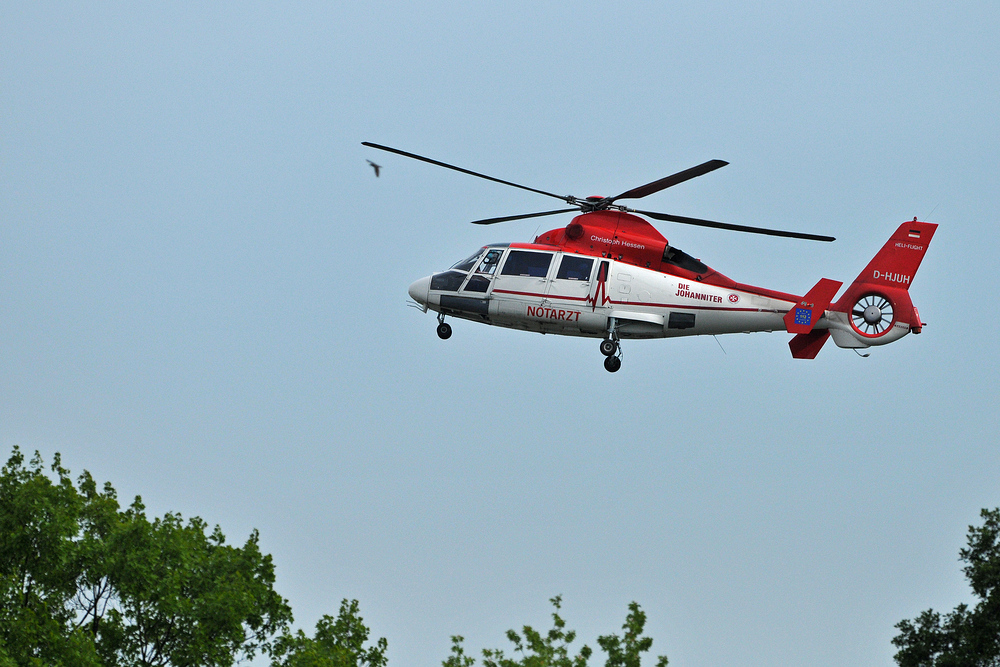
897 262
876 308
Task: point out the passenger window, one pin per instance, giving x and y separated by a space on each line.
575 268
489 263
524 263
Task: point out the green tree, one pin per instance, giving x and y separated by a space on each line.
534 649
338 642
39 568
185 597
626 651
458 658
83 582
966 636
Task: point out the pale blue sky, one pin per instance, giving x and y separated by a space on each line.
202 300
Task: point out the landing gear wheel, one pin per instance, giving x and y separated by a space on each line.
612 364
608 348
444 331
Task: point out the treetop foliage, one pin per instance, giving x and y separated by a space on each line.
534 649
966 636
87 583
339 642
625 651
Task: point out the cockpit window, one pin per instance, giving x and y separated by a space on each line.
478 284
525 263
468 263
449 281
575 268
489 263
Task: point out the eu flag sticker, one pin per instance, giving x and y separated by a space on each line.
803 316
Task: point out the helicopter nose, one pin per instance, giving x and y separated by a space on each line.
418 290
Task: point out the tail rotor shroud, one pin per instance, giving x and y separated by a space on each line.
872 315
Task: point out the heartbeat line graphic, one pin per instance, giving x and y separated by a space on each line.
598 294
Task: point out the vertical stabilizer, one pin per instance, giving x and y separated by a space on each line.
876 308
897 262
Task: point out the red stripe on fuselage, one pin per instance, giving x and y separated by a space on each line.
671 306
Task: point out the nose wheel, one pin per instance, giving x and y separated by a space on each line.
612 364
443 328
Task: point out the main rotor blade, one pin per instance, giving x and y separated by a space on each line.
565 198
664 183
491 221
736 228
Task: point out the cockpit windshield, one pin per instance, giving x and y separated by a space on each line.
485 265
490 261
468 263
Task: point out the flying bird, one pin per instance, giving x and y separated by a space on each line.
376 167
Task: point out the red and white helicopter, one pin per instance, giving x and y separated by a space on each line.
609 274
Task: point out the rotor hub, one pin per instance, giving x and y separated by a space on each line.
873 315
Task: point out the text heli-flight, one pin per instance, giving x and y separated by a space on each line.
609 274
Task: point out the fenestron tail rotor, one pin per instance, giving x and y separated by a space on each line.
591 204
872 315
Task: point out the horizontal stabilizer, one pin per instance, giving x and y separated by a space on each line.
803 316
807 346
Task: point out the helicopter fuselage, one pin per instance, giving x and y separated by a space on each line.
533 287
626 287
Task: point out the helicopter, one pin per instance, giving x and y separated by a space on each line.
610 274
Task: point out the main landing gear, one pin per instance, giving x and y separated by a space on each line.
611 350
612 364
443 328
